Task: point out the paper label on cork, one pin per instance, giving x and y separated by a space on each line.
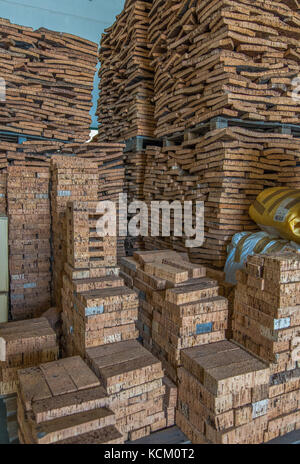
18 277
94 311
2 350
283 323
31 285
260 408
17 297
64 193
113 338
204 328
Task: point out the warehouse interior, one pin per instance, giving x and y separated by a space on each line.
150 222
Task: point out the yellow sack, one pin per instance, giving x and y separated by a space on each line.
277 212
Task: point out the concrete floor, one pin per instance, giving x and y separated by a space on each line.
3 432
292 438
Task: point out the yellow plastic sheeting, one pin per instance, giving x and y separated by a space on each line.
277 212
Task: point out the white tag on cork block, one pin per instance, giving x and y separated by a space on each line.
2 350
260 408
283 323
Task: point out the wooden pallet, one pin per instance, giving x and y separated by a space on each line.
140 143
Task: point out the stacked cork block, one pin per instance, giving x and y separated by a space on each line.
135 167
134 381
126 107
266 318
225 169
24 344
85 247
223 395
284 403
109 159
170 401
97 311
224 118
11 407
266 322
62 402
179 306
98 308
129 269
25 183
111 172
28 210
71 179
49 80
3 180
214 59
99 315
